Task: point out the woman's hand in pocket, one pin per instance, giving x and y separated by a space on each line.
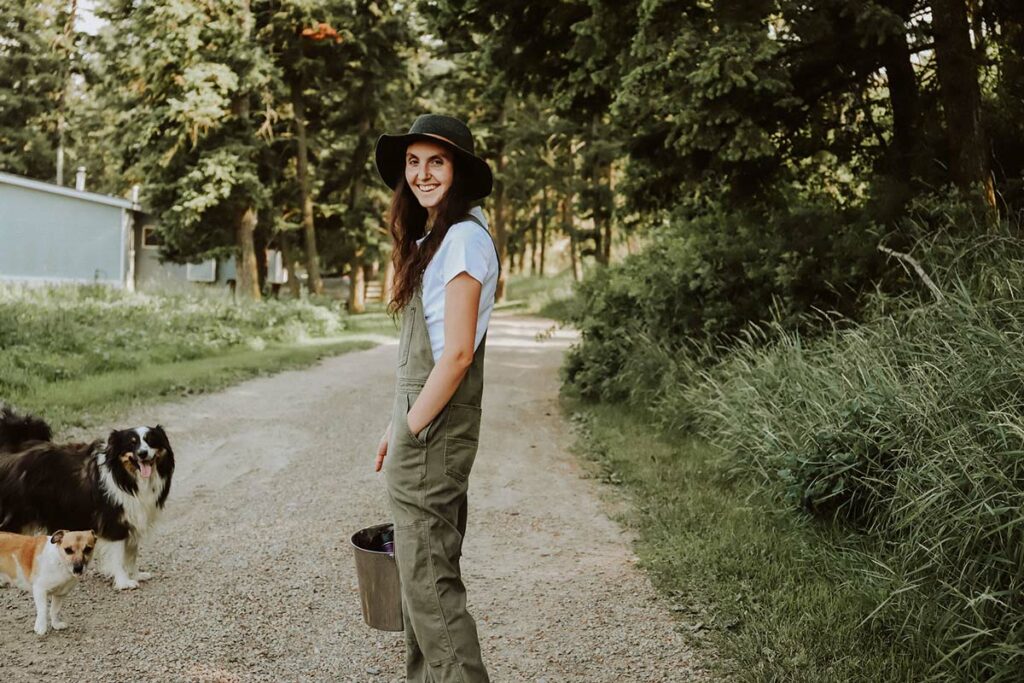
382 448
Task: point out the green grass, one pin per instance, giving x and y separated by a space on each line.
84 402
764 594
547 296
77 355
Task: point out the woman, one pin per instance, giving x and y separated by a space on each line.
446 273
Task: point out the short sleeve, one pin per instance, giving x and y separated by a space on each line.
466 250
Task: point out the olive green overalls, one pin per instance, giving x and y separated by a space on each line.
427 481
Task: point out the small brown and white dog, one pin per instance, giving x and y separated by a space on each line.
48 567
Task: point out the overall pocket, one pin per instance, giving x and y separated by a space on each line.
421 438
408 321
461 439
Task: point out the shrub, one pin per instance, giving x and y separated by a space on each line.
702 280
908 427
67 332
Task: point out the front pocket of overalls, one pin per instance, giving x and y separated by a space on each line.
408 322
418 439
461 439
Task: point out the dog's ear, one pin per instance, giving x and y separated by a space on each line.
114 442
92 537
58 536
159 438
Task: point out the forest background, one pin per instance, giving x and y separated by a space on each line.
820 202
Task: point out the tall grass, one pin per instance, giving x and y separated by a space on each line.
907 429
910 429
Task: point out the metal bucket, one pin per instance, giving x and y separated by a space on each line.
380 592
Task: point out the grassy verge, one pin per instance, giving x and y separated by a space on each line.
83 402
76 355
768 595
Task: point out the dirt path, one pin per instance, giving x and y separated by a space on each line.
254 578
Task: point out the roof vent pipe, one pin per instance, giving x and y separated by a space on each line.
80 179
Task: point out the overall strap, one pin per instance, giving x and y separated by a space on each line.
476 220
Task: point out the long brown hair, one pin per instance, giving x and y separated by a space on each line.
407 222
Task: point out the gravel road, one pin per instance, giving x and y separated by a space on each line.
254 577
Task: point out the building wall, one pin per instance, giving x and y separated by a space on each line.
46 237
151 274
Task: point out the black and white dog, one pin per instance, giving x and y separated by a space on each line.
116 488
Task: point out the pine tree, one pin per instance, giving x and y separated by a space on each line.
33 72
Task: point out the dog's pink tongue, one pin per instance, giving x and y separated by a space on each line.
145 469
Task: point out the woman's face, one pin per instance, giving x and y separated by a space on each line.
429 172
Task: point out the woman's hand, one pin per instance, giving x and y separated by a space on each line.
382 448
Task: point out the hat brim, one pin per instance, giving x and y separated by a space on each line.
390 159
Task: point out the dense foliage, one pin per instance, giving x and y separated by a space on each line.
907 428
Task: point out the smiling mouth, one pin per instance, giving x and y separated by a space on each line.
427 188
145 467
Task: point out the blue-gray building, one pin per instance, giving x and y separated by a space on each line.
51 234
55 234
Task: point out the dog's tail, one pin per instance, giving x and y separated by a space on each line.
19 431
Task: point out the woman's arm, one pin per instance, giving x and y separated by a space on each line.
461 306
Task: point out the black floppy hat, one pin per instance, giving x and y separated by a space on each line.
446 130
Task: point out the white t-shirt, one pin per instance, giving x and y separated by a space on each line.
466 247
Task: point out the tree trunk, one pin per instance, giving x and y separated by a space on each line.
609 215
389 281
903 98
290 263
512 238
357 288
522 254
259 240
961 100
543 228
246 280
569 221
533 245
570 230
315 282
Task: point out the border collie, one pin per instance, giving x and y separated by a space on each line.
117 488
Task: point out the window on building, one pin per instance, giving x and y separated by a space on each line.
151 238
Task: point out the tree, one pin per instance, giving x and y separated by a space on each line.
34 62
194 96
961 99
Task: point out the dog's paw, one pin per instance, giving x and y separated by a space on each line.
59 626
143 576
40 629
126 585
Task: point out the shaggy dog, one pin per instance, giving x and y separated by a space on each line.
116 488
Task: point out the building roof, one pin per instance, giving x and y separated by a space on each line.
28 183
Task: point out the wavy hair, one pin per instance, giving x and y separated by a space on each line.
407 222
